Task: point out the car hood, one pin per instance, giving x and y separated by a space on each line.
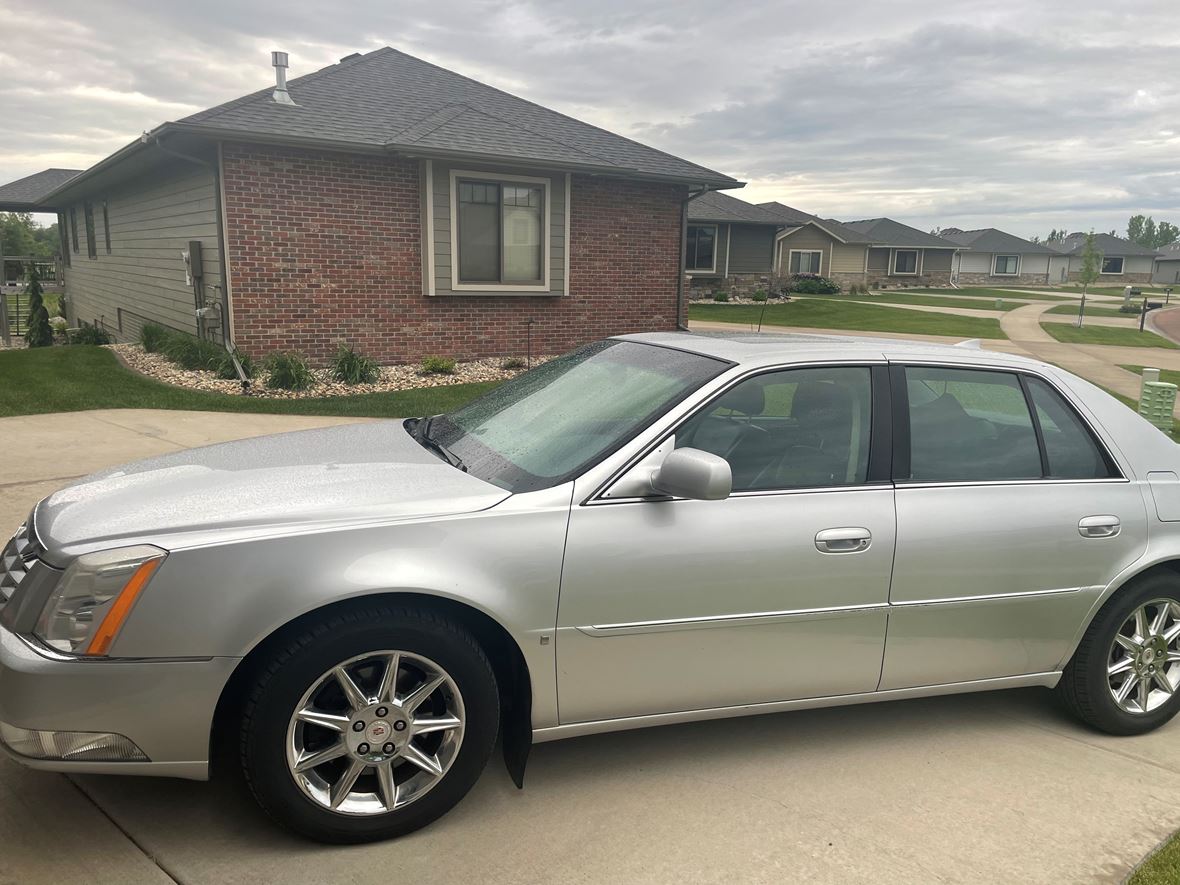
301 480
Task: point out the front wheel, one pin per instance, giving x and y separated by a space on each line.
1125 676
370 725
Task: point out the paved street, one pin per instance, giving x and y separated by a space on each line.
976 788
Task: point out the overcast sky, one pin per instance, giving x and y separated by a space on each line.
1018 114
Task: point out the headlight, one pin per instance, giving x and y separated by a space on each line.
93 598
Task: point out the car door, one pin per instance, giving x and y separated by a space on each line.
1011 518
778 592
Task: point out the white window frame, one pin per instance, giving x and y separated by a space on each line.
546 239
893 271
702 270
996 260
1112 273
819 252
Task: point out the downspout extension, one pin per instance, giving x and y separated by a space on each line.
682 324
226 335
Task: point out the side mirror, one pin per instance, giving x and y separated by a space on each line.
691 473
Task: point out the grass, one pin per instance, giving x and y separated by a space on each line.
891 297
993 294
1161 868
1072 309
1118 290
1113 335
830 314
68 379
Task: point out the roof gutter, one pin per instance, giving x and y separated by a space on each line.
681 313
226 334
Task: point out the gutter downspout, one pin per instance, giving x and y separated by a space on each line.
226 335
681 313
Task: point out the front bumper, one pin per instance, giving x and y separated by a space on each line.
164 706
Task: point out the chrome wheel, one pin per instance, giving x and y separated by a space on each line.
1143 665
375 733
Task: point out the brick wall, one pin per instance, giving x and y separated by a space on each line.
325 248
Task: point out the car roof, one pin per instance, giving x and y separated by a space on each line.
754 349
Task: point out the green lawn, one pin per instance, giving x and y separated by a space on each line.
1072 310
1162 868
891 297
67 379
1131 337
831 314
1118 290
993 294
1172 377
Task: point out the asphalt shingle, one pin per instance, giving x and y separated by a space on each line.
990 239
888 232
27 192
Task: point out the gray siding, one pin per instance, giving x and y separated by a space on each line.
443 263
152 220
937 260
751 248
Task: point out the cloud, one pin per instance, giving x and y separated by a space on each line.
964 112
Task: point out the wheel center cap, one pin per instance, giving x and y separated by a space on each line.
379 732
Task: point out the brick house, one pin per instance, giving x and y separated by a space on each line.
387 203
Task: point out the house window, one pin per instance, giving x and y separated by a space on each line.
701 254
500 229
805 261
91 246
74 228
905 261
1112 265
106 226
1007 266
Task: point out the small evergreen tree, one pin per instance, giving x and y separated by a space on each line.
39 333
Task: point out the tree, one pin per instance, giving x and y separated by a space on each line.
1088 275
1166 234
1055 236
39 333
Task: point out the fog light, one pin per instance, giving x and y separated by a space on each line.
71 746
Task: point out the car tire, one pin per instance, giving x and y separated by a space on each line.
299 688
1087 687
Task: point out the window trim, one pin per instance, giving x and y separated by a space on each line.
106 224
1112 273
712 269
893 271
901 430
819 252
74 228
996 260
546 232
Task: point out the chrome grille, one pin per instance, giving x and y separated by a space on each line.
19 554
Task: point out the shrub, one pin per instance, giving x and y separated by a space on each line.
153 337
191 352
90 335
288 370
760 295
437 365
354 368
855 289
58 324
39 333
812 284
513 362
222 365
720 296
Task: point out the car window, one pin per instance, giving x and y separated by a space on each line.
969 425
798 428
1072 450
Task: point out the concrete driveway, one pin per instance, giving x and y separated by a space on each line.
977 788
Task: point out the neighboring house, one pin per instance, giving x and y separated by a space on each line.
810 244
991 257
729 240
1167 265
904 255
1122 262
388 203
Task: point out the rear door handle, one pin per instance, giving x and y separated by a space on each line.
1099 526
843 540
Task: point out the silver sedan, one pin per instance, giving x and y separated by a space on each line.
652 529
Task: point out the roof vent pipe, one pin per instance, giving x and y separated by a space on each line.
281 95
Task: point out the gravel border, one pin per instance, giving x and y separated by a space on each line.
393 378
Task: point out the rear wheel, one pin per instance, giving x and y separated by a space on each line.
370 725
1125 676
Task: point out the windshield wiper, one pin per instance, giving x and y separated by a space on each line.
422 435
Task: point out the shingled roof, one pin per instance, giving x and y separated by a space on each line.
716 206
888 232
388 99
792 217
1104 243
25 194
990 239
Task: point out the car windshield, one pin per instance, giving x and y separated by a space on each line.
548 425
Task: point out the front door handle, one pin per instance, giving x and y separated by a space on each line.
843 540
1099 526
